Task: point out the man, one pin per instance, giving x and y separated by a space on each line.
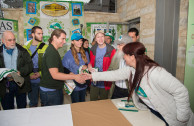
120 88
36 49
109 38
101 55
52 82
14 56
134 34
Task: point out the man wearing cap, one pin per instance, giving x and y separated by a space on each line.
100 57
53 76
109 39
14 56
120 88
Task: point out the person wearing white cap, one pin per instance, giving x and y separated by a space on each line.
100 57
120 88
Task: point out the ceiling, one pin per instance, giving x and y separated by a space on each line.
92 5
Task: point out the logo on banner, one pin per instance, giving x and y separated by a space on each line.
54 24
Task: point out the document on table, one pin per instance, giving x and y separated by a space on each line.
59 115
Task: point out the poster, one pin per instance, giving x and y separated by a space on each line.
9 25
189 66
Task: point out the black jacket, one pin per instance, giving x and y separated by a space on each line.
24 65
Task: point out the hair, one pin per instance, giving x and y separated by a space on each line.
75 56
138 50
134 30
34 29
84 40
4 33
57 33
93 41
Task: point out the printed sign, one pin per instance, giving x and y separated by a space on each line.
8 25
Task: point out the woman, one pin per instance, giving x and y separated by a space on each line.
73 60
101 55
151 86
86 45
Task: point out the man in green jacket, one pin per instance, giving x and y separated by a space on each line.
36 49
14 56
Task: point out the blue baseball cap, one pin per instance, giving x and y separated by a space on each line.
76 36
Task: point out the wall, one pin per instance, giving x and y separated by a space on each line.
127 10
16 14
146 10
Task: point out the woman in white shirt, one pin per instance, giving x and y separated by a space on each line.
152 87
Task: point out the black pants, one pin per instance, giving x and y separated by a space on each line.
119 93
158 115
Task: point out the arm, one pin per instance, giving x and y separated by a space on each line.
27 67
174 87
120 74
61 76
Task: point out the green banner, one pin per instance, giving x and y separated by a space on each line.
189 66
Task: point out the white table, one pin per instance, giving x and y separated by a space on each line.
61 116
140 118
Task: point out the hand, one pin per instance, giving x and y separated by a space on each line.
37 74
33 76
80 79
19 73
9 75
84 67
87 76
90 68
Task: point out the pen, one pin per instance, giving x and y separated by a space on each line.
125 100
129 110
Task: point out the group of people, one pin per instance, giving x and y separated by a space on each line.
114 73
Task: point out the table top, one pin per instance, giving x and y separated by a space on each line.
103 112
140 118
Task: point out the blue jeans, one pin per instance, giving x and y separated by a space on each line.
78 96
33 95
8 100
49 98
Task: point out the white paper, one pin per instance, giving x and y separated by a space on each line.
59 115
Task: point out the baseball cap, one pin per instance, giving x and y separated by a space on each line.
123 39
99 31
76 36
109 34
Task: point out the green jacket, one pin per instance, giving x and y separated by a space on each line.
24 65
40 52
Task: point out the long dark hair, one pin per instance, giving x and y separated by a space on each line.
138 50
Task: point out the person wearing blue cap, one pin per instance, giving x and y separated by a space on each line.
76 60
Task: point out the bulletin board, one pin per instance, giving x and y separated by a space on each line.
51 15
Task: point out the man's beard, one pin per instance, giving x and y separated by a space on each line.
9 47
38 39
